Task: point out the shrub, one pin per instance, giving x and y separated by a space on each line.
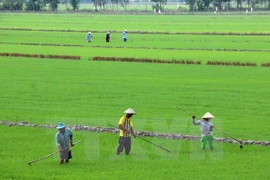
12 5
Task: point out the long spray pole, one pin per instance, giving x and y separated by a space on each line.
240 142
146 140
44 157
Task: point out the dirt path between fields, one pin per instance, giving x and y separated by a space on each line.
140 133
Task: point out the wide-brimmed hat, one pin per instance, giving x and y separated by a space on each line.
60 125
129 111
89 32
208 115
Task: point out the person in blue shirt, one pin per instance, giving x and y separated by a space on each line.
89 37
124 34
64 140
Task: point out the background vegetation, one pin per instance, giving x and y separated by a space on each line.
137 5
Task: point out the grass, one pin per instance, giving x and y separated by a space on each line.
47 91
207 47
95 158
89 52
155 23
92 92
210 42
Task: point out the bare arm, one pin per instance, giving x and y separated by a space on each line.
122 128
132 132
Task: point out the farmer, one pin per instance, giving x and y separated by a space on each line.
108 37
124 34
126 129
64 138
89 37
206 129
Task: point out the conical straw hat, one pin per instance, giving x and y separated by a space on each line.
208 115
129 111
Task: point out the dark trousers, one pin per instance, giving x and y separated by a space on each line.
69 154
124 142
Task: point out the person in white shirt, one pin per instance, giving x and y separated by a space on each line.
206 129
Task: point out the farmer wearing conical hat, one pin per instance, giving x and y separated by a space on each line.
89 37
126 130
206 129
64 138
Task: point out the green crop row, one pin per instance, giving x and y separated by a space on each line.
95 158
95 93
151 23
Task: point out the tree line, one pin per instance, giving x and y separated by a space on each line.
157 5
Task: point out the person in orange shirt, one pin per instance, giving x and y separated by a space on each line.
126 130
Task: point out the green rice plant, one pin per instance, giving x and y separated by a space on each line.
148 41
151 23
88 52
95 158
95 93
83 92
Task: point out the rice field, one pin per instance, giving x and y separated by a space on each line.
95 93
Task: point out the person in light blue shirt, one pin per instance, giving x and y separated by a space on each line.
89 37
64 140
124 34
206 129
